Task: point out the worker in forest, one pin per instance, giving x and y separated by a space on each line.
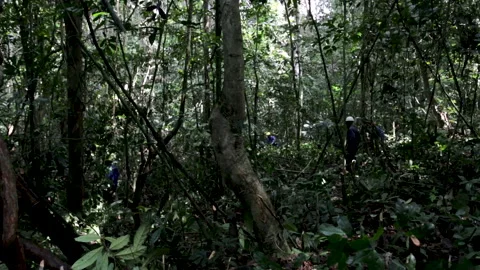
353 141
271 139
113 175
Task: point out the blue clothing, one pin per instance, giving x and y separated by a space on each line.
380 133
271 139
114 174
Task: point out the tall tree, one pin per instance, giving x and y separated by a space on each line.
75 92
293 34
28 20
226 123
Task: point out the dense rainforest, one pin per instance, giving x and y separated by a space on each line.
228 134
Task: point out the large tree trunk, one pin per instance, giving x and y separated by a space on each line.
49 223
11 251
73 30
226 123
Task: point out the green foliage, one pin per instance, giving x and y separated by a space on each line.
118 250
412 204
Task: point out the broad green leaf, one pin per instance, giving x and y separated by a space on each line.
241 239
141 235
378 234
111 239
87 238
328 229
155 236
102 262
344 224
120 242
337 257
290 226
360 244
87 259
131 253
111 266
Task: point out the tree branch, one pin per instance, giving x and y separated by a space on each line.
160 142
37 253
114 15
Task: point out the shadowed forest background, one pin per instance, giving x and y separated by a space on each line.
134 134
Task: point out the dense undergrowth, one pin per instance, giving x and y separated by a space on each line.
413 205
409 205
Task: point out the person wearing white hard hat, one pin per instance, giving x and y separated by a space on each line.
353 141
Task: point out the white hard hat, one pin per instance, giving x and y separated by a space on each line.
349 119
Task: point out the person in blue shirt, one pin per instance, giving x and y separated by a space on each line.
113 174
271 139
353 141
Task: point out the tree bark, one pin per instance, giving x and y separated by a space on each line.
11 251
37 254
48 223
217 50
75 92
226 123
9 200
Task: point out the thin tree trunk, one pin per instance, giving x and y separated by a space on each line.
365 71
218 51
206 58
298 74
256 91
294 65
344 60
128 166
75 92
31 82
1 68
226 124
186 73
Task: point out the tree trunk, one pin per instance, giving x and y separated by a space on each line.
365 71
256 90
11 251
218 51
226 124
295 69
206 59
49 223
428 96
75 92
34 172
